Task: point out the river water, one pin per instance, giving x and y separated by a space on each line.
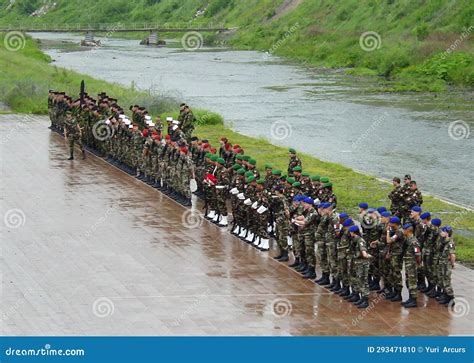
331 116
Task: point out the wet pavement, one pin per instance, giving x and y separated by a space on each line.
89 250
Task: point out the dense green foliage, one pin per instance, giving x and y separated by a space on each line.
411 55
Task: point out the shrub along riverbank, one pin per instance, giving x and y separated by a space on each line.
27 75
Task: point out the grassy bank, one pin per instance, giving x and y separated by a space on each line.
405 50
27 74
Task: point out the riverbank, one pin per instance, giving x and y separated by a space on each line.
28 75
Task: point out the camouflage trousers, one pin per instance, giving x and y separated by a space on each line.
74 138
342 268
384 269
282 233
322 256
374 268
262 223
445 273
309 241
298 244
428 265
411 276
361 267
185 190
396 272
351 271
332 257
220 199
436 270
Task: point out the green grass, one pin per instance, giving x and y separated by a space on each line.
27 74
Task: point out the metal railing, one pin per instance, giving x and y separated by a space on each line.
77 27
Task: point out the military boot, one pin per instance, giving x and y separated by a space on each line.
303 266
83 154
354 298
310 273
411 303
364 304
375 286
427 288
284 257
345 291
449 300
325 280
336 285
397 296
296 263
351 295
71 157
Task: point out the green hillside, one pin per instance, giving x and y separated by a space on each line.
409 38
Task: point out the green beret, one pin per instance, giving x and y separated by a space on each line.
324 179
208 155
297 168
296 184
248 173
291 180
245 157
214 157
238 156
250 179
252 161
305 173
276 172
291 150
221 161
235 167
261 181
315 177
241 171
268 166
327 185
284 177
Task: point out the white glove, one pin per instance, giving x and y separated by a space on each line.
234 191
255 205
262 209
247 201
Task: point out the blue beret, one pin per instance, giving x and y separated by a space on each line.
447 229
371 210
353 229
408 225
395 220
296 198
308 200
386 214
363 205
425 215
327 205
343 215
348 222
416 208
436 222
381 209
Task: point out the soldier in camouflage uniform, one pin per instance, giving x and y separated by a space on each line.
281 212
446 264
307 227
361 265
187 123
396 197
396 243
73 134
429 246
221 190
294 161
325 212
343 258
411 259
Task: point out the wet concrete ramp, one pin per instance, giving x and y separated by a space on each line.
89 250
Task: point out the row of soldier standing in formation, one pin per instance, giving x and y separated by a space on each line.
355 254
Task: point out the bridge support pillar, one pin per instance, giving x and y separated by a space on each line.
89 37
153 38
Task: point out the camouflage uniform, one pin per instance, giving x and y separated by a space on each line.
322 251
280 207
361 266
412 252
396 258
445 268
307 233
73 134
294 162
331 241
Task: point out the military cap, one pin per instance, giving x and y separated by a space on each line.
381 209
407 225
208 155
324 179
241 171
214 157
291 150
386 214
279 188
363 205
239 156
395 220
436 222
305 173
261 181
343 215
354 229
235 167
248 173
276 172
252 161
297 198
327 205
407 176
347 222
425 215
315 177
327 185
308 200
246 157
291 180
297 168
371 210
250 179
416 208
447 229
296 184
268 166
